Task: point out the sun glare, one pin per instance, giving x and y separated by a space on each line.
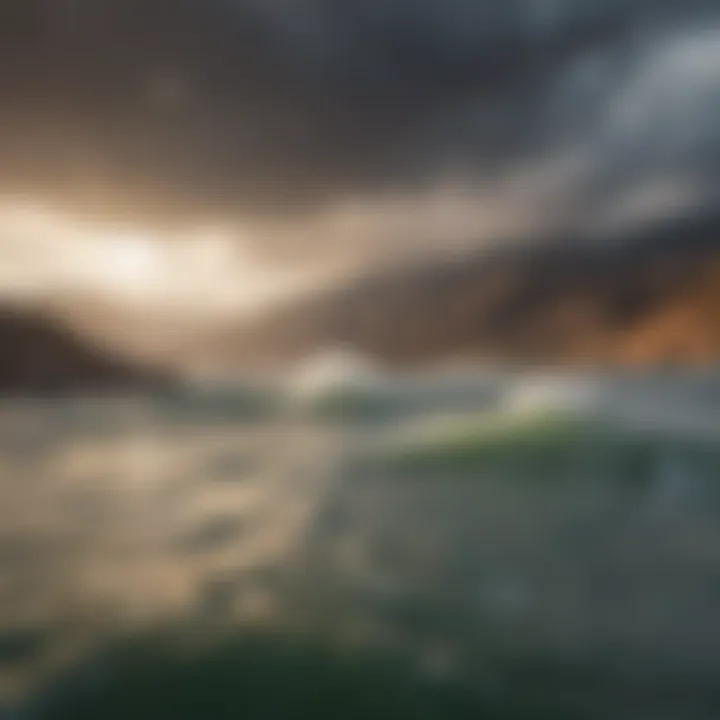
130 259
206 269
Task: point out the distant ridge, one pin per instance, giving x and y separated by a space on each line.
39 354
653 298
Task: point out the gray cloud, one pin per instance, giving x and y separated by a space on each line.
274 108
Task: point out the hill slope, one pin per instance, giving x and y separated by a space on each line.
653 299
39 354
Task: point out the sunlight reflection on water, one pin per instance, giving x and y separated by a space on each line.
456 539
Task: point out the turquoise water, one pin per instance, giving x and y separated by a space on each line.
360 545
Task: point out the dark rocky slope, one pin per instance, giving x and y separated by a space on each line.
650 299
39 353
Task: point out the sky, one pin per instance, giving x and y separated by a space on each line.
352 128
54 256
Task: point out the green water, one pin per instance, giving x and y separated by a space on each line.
405 550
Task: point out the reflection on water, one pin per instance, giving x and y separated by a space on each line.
444 547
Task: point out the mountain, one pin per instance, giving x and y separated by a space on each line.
653 298
39 353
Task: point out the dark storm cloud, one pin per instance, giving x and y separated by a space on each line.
258 106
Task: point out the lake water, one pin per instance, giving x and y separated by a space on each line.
455 545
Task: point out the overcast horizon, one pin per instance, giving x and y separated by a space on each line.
315 129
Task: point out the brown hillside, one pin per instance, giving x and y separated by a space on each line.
650 299
38 354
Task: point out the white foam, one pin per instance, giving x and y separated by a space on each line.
333 371
549 394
